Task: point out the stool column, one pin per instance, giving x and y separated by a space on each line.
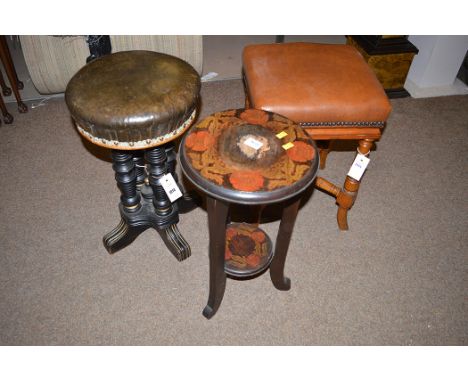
140 169
130 206
166 214
157 168
126 177
347 197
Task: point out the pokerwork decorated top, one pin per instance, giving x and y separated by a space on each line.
249 156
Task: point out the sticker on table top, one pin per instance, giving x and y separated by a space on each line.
281 135
251 142
358 167
170 187
288 145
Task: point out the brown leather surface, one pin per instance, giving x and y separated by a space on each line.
132 96
314 83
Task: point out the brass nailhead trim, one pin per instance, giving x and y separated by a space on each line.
342 123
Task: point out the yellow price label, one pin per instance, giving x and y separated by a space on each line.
288 145
281 135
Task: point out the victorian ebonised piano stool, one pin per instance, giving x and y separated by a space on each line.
137 103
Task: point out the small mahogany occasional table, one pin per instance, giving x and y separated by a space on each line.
247 157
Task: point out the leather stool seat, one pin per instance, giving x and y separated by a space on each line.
134 99
315 83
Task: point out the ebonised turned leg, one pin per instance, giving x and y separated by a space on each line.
166 213
217 216
282 244
126 177
140 168
157 168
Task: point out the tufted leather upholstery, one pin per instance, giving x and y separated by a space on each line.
321 83
133 99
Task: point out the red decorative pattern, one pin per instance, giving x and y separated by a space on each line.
301 152
200 141
246 247
254 116
247 180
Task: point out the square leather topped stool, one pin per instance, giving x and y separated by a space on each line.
329 90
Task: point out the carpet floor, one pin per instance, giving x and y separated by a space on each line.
397 277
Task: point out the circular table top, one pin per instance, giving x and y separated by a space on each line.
249 157
133 99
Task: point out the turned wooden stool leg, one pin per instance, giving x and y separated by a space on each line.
282 244
217 217
324 149
11 73
6 91
167 213
126 177
140 168
348 194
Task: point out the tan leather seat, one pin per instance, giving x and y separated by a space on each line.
315 83
328 89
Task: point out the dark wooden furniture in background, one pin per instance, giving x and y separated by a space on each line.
247 157
15 83
329 90
136 103
390 58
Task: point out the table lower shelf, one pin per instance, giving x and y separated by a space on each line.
248 250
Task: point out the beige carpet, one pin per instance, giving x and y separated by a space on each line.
398 277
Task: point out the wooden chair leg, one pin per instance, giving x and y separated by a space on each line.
6 91
348 194
11 73
7 117
324 149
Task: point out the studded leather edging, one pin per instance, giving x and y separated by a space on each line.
359 124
